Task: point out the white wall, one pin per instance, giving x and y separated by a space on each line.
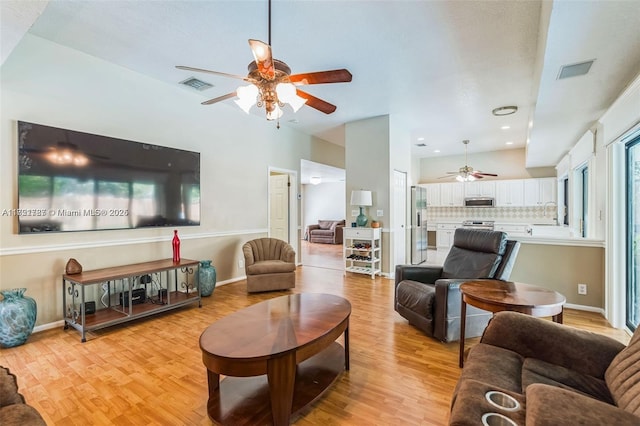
507 164
46 83
325 201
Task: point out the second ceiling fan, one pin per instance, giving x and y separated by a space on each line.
271 84
466 173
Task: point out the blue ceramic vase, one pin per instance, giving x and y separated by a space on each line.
17 317
207 278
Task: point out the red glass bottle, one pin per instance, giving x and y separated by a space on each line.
176 247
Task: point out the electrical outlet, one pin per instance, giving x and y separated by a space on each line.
582 289
380 213
240 263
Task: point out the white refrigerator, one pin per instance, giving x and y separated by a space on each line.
418 225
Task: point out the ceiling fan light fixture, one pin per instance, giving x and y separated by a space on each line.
287 94
247 96
274 113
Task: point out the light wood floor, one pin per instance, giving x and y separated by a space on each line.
150 371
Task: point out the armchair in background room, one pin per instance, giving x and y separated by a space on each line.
326 231
429 296
270 264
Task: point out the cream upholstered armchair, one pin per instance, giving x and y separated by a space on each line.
269 264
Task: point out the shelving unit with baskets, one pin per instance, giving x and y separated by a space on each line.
362 251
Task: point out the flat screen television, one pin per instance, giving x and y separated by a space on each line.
75 181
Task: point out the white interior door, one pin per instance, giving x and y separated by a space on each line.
279 206
399 219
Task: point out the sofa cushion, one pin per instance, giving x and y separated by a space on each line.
328 224
551 406
270 267
498 367
417 297
623 376
537 371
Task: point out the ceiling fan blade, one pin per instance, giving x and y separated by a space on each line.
264 60
484 174
321 77
317 103
220 98
224 74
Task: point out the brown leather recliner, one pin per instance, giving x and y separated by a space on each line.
270 264
429 296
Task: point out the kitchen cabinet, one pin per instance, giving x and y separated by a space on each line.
451 194
513 229
433 194
510 193
480 189
538 192
444 235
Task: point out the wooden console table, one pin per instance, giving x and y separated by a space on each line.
167 285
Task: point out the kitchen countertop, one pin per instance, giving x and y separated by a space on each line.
549 233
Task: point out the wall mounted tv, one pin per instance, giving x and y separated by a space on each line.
75 181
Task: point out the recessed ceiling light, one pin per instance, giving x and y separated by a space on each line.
420 138
509 143
436 150
505 110
505 127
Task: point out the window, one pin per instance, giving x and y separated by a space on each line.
584 219
565 201
633 232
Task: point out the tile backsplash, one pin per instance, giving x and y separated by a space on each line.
532 214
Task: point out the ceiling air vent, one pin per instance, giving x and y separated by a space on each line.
196 84
421 144
574 70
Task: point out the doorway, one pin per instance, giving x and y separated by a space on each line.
323 198
283 219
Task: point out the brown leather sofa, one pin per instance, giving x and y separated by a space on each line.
429 296
13 409
270 264
558 375
326 231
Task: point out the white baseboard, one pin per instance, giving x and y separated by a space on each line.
584 308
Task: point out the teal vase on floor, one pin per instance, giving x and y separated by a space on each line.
17 317
207 278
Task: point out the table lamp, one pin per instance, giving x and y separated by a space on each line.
361 199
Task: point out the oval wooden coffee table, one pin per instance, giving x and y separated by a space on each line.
291 340
495 296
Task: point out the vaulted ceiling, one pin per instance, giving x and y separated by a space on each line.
442 66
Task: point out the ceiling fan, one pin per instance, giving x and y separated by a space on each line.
272 85
467 173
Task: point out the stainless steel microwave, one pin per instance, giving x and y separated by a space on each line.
479 202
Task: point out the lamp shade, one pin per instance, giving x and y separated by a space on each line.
361 198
